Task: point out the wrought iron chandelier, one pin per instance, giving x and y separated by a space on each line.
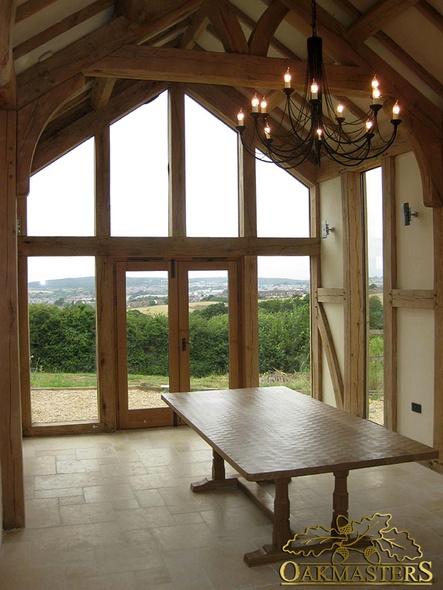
315 124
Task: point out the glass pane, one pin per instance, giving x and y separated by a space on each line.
282 203
211 175
147 334
139 171
284 322
374 212
61 197
61 294
208 329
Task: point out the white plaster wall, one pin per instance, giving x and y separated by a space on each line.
332 246
415 266
332 272
415 242
416 373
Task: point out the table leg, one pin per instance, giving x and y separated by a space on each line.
281 532
218 480
340 498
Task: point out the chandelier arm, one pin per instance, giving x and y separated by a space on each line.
311 125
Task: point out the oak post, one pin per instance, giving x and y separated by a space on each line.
355 373
177 170
389 284
10 425
438 339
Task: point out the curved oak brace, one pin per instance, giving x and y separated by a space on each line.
227 26
32 119
428 149
262 35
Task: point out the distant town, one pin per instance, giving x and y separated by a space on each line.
148 291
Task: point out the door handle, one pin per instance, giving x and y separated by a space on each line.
184 343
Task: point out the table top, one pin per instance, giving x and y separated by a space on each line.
270 432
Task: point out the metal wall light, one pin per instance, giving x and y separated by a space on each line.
407 214
326 229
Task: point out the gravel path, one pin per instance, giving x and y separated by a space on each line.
70 405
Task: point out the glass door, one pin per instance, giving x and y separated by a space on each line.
208 325
177 325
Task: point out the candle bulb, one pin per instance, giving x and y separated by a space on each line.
375 90
369 125
267 131
314 90
254 103
340 109
287 78
395 111
241 118
263 105
319 134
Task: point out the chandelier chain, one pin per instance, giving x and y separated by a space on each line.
314 18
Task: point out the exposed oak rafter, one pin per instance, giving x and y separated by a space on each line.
373 19
7 75
174 65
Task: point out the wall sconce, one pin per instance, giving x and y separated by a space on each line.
407 214
326 229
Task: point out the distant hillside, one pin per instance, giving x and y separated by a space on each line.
88 283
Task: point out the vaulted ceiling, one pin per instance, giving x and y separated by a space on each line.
102 58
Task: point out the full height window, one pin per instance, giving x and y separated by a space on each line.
61 197
139 171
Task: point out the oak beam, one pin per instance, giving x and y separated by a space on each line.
413 298
330 295
167 247
11 459
177 65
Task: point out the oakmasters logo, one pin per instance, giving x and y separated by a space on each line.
362 552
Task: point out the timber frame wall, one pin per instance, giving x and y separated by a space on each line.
21 153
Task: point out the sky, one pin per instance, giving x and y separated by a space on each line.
61 199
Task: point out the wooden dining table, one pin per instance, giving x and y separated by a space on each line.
272 434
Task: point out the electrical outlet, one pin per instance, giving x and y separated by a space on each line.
416 407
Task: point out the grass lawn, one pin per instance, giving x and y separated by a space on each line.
297 381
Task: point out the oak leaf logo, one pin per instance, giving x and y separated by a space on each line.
370 536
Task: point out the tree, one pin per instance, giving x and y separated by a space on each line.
375 313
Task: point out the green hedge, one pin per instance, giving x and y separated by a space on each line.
63 339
